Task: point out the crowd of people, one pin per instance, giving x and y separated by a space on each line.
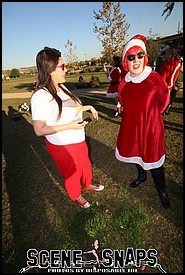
141 95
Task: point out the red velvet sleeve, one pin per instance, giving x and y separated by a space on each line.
120 87
163 92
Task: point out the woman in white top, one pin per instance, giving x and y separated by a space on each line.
57 115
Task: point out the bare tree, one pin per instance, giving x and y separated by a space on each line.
113 31
169 7
70 54
153 49
153 45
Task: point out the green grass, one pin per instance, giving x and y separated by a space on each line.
36 210
24 84
180 77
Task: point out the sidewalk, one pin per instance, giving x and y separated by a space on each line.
77 92
16 95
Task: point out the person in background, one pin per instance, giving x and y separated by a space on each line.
24 107
114 75
141 138
57 115
170 68
34 86
160 58
81 83
94 81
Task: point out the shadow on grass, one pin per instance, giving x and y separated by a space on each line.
106 111
176 110
71 85
177 127
40 211
25 86
178 100
33 193
122 173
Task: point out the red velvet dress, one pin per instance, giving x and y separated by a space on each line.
170 70
141 137
114 77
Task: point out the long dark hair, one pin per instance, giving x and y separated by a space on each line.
117 60
46 61
171 54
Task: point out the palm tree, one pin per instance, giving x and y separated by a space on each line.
169 7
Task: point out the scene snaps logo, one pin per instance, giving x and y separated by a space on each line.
93 260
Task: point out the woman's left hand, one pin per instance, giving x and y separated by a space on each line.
92 110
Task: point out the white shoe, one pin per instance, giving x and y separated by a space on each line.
82 202
96 187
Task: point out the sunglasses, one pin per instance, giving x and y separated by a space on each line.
61 66
139 55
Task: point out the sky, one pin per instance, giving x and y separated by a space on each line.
27 27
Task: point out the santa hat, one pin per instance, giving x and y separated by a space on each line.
137 40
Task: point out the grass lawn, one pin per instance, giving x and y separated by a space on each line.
36 210
24 84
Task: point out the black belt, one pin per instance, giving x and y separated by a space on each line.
114 83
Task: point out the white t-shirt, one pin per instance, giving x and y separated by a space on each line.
45 108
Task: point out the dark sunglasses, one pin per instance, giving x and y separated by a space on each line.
139 55
61 66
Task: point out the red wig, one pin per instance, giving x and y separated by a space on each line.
133 50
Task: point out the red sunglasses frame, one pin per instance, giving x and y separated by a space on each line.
61 66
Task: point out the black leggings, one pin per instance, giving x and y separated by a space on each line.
158 175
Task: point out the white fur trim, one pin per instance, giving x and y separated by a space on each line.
173 75
138 160
112 95
131 43
142 76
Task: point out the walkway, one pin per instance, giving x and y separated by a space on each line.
77 92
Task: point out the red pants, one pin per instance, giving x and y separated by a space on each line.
73 164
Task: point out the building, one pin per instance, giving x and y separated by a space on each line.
175 39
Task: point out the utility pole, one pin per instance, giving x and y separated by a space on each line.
178 30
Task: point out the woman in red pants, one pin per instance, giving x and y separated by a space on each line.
57 115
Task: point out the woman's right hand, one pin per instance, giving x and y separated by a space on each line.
77 124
